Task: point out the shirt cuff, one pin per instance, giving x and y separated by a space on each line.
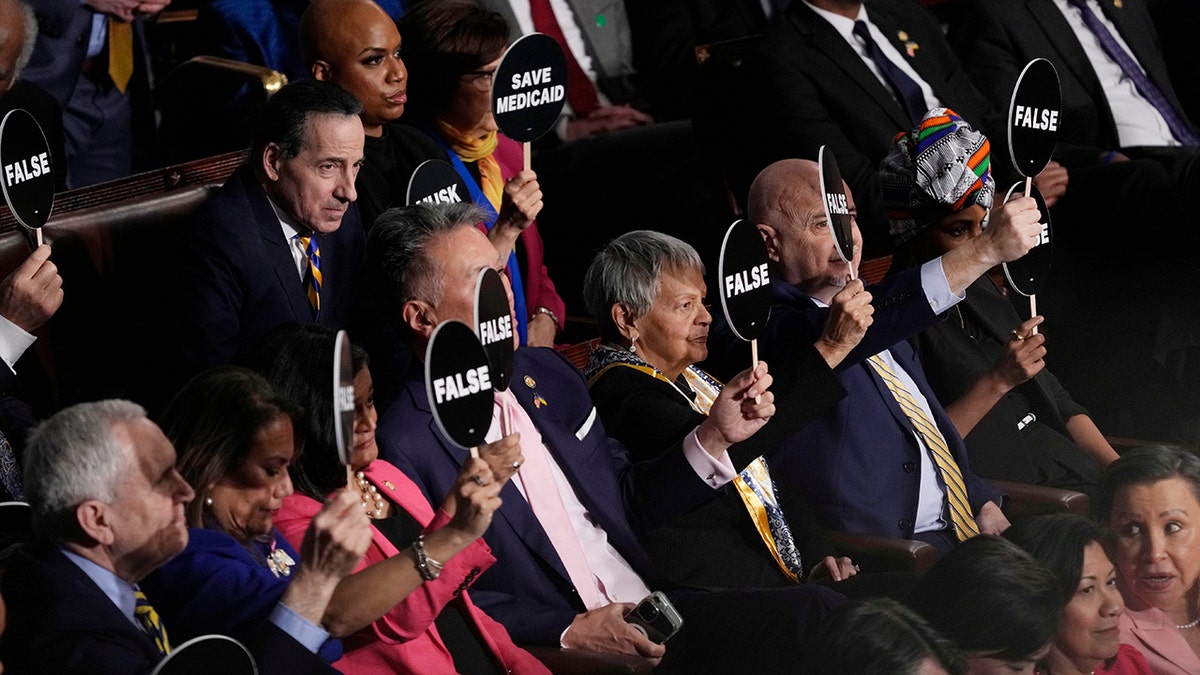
716 472
301 629
13 342
937 287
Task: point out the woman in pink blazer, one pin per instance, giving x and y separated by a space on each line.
406 607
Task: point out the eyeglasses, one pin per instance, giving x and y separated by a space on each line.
481 79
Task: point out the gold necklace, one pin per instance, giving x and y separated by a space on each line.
370 496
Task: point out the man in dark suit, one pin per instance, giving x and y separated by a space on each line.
108 509
281 241
91 56
569 562
867 466
18 33
812 81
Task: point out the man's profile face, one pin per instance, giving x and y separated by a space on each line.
316 187
462 254
147 517
808 256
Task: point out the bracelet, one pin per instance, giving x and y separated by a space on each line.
429 568
552 315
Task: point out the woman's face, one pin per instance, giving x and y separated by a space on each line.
471 110
1157 545
950 232
1087 632
363 57
365 450
674 333
244 503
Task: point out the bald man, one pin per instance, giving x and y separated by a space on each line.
864 466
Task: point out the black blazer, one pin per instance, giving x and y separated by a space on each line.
805 87
716 545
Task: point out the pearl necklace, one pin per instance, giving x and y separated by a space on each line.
370 496
1191 624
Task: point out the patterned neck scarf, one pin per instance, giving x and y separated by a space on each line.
480 150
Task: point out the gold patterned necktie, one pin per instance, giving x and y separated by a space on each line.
965 526
120 52
313 277
150 622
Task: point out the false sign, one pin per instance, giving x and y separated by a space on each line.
28 179
745 283
494 325
837 204
1033 117
458 381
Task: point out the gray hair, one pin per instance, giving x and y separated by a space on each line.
31 33
397 264
627 271
72 457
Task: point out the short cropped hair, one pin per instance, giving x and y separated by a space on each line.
73 456
213 422
1144 465
990 597
397 264
286 115
627 271
880 636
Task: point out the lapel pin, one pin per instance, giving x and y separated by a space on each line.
1118 4
529 382
538 401
388 484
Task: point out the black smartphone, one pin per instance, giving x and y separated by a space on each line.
656 617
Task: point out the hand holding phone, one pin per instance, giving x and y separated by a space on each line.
656 617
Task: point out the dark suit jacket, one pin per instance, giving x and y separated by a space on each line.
717 545
528 589
241 280
858 464
996 38
958 350
805 87
59 621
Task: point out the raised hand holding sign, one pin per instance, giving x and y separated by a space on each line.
745 283
1027 274
458 381
28 179
529 89
1033 117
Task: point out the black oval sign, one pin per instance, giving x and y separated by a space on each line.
744 280
458 381
529 88
837 204
1027 274
28 178
1033 117
343 397
436 182
208 654
494 325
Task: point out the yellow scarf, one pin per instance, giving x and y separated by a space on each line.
479 150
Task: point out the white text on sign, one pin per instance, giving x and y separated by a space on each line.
1036 118
1044 237
458 385
543 95
495 330
19 172
746 280
447 195
345 398
837 204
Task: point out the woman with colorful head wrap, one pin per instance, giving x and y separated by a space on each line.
982 360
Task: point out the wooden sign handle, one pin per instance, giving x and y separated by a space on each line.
37 235
528 155
1032 297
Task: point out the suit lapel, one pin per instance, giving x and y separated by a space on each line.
1059 33
278 251
515 511
1135 38
829 42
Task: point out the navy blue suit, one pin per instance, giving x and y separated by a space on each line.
528 589
857 464
241 279
59 621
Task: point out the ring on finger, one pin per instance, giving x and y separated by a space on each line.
855 567
1018 336
479 480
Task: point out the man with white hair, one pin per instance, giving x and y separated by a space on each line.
18 32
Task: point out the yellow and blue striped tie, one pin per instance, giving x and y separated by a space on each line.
312 279
150 622
965 526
